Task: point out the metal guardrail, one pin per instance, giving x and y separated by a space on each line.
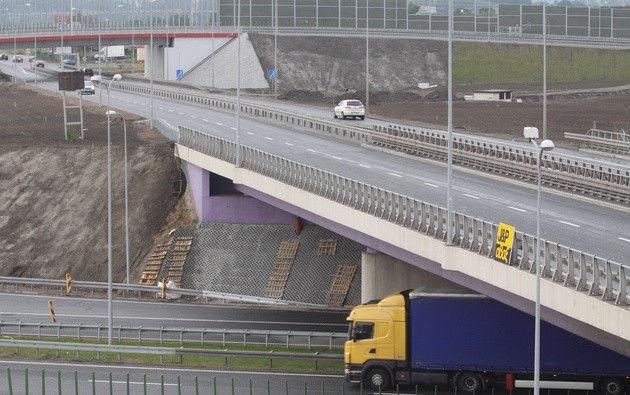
564 171
598 277
122 349
181 336
7 282
612 142
567 172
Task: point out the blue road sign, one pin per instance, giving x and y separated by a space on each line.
179 74
272 74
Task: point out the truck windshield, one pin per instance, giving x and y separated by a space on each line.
361 330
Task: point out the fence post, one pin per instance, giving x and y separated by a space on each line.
76 383
93 383
162 384
179 385
196 385
58 381
127 384
43 382
26 381
111 385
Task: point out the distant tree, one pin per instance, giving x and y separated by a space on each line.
413 8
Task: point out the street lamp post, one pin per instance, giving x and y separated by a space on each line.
531 133
112 112
151 60
110 311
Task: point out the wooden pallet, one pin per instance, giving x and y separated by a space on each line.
179 253
340 285
327 247
280 274
154 265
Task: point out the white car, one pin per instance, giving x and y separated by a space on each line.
88 88
350 108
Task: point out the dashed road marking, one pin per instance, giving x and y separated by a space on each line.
431 185
624 239
472 196
366 166
268 138
336 157
517 209
569 223
289 144
395 175
311 150
250 133
205 120
192 116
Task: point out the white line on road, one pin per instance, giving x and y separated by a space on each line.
232 127
268 138
336 157
289 144
624 239
431 185
517 209
310 150
130 383
180 113
170 110
192 116
366 166
250 133
569 223
471 196
219 124
395 175
205 120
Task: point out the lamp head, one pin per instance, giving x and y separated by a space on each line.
546 145
117 77
530 132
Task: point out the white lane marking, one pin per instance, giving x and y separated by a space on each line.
130 383
180 113
170 110
431 185
160 368
250 133
289 144
268 138
366 166
123 317
395 175
192 116
336 157
472 196
569 223
232 127
204 119
310 150
517 209
624 239
218 124
161 108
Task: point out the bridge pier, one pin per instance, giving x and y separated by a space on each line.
382 275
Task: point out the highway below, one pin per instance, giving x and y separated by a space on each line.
595 227
170 314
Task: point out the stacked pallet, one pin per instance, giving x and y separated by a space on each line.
154 265
179 252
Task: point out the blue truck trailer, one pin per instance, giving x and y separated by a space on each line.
471 342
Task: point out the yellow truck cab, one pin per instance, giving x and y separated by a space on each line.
377 341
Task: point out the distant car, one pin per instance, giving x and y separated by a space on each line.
18 59
88 72
88 88
41 64
4 56
69 62
350 108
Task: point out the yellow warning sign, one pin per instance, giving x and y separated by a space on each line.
503 246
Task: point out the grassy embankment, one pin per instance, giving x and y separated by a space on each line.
480 63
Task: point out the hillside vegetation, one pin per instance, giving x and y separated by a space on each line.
482 63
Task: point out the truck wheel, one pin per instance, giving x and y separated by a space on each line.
469 383
377 378
611 386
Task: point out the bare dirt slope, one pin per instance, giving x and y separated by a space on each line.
323 70
53 216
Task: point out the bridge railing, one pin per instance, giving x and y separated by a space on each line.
565 171
598 277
